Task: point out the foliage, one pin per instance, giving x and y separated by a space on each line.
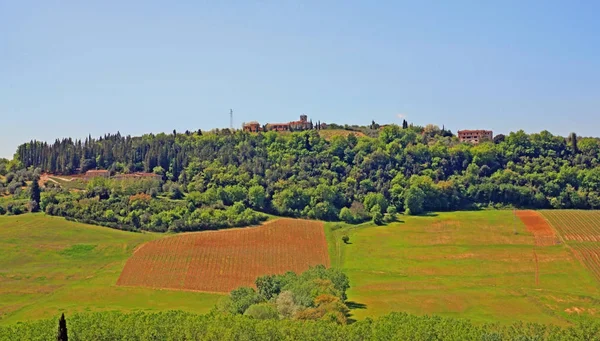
262 311
62 334
301 174
179 325
128 205
291 294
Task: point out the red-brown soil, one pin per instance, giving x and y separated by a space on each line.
221 261
539 227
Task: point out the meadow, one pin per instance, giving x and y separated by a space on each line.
49 265
481 265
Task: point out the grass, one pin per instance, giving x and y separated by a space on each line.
74 184
460 264
49 265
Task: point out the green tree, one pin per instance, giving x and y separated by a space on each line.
257 197
35 194
413 201
346 215
391 213
268 286
377 215
262 311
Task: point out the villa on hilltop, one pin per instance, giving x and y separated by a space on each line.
475 136
302 124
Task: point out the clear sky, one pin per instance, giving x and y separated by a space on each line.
73 68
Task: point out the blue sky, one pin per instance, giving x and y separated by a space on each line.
73 68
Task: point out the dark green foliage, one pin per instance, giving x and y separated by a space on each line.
242 298
303 175
179 325
268 286
61 335
345 239
414 200
35 193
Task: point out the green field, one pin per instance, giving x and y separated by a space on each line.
462 264
49 265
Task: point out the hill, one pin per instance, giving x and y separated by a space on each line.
463 264
49 265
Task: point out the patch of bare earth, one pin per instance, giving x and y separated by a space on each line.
539 227
221 261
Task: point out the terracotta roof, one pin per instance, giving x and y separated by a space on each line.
474 131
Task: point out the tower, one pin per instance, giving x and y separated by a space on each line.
231 119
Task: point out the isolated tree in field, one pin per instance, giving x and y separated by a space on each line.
62 329
35 194
345 239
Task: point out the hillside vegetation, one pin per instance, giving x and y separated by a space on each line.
301 174
176 325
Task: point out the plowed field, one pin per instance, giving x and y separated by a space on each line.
221 261
581 231
537 225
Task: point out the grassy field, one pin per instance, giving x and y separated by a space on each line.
49 265
462 264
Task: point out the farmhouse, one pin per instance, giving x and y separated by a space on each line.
252 127
475 136
302 124
96 173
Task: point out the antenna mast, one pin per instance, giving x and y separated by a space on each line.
231 119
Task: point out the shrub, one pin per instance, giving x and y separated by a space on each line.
262 311
345 239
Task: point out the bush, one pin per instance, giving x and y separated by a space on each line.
2 210
262 311
345 239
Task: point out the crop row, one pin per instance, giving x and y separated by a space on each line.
221 261
576 225
589 254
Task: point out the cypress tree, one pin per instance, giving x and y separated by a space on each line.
62 329
35 192
573 140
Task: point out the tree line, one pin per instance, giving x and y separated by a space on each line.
404 169
179 325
